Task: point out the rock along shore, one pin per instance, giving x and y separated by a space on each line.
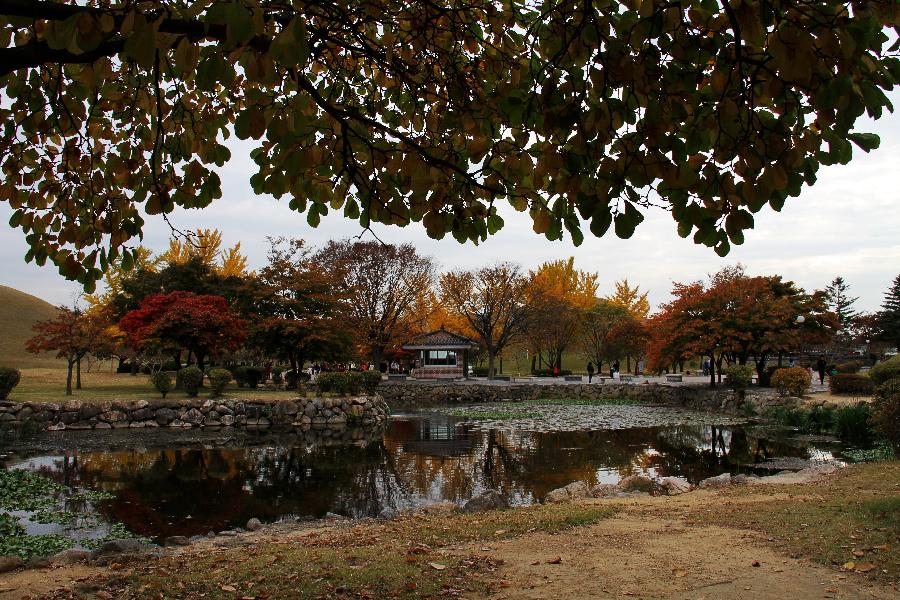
302 413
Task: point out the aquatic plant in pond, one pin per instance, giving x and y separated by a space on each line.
46 502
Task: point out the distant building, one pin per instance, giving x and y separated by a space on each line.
441 354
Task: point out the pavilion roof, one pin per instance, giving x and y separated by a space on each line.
440 339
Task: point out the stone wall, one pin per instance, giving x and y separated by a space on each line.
301 413
410 395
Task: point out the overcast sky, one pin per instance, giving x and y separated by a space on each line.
848 224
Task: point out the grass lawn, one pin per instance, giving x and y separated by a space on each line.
49 385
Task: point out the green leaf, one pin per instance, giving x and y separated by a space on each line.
866 141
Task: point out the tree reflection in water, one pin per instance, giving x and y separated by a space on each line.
187 488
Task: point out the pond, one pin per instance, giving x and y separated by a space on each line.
161 483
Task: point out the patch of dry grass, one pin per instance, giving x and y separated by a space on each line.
49 385
852 517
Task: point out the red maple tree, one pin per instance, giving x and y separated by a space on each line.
202 324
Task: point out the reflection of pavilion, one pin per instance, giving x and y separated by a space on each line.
438 435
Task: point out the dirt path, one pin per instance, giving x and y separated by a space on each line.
655 558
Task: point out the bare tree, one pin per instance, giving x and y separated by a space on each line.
382 282
492 300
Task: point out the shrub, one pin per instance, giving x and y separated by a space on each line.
370 380
816 420
248 376
162 381
885 370
793 380
853 422
191 379
851 366
9 379
480 371
218 381
886 412
738 377
277 377
850 383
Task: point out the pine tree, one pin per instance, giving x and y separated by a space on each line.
840 303
889 317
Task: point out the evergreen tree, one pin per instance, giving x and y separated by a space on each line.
840 303
889 317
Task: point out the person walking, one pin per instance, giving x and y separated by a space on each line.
590 370
820 367
615 368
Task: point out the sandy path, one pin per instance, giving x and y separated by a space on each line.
35 582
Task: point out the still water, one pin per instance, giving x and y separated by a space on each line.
166 483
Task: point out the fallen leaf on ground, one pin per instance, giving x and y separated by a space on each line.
228 588
863 567
849 565
537 562
555 560
679 572
437 566
858 553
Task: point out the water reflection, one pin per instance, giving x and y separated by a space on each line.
184 488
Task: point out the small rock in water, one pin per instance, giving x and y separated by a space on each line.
487 500
718 481
254 524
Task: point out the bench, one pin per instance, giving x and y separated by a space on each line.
674 378
397 377
573 377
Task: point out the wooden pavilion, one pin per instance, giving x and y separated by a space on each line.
441 354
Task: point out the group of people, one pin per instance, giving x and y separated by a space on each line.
613 370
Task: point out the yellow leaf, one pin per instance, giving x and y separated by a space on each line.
437 566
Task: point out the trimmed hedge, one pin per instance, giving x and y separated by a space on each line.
218 380
549 372
851 366
9 379
886 370
191 379
851 383
793 380
162 381
349 383
738 377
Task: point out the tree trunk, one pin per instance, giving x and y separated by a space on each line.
533 361
559 359
628 364
69 377
177 357
377 352
719 369
712 370
491 355
78 373
134 366
200 360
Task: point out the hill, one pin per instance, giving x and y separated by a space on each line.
18 311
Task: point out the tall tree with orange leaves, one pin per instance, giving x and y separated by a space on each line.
557 295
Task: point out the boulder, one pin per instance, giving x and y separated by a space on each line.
637 483
37 562
604 490
673 486
487 500
718 481
177 540
389 514
254 524
123 546
557 495
10 563
193 416
578 489
72 555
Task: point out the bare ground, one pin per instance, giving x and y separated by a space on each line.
664 547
